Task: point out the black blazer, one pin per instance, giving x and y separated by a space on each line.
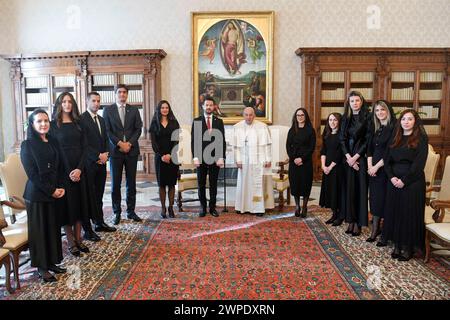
355 136
45 172
200 122
116 131
97 143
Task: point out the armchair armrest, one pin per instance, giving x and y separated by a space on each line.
19 205
439 206
433 188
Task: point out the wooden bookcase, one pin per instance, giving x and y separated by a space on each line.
406 77
38 79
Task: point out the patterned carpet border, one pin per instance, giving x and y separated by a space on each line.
342 261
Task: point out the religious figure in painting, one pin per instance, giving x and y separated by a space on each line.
233 53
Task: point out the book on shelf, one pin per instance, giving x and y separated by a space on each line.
430 94
37 98
366 92
432 129
361 76
325 111
333 76
431 77
135 96
131 79
64 81
103 80
106 97
428 112
402 76
36 82
403 94
334 94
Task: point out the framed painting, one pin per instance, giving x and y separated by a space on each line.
232 56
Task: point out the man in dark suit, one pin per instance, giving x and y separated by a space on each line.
208 150
124 127
95 128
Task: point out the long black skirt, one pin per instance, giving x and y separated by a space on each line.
377 193
331 189
300 179
355 208
44 234
404 224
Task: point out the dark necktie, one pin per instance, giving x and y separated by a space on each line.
97 123
208 123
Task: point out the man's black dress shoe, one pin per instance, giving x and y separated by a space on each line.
57 269
297 212
337 222
260 214
213 212
91 236
202 213
133 216
103 227
395 255
117 219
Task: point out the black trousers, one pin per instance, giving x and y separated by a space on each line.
116 169
97 179
213 172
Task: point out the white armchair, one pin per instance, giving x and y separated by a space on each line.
14 179
16 237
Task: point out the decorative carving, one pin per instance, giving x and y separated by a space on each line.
15 72
152 61
82 67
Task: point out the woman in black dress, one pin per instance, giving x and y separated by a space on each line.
40 156
405 198
382 127
78 206
331 158
300 145
164 133
354 135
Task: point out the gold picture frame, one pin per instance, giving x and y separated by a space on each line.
232 55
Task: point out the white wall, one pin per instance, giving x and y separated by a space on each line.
29 26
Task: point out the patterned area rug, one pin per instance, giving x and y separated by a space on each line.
277 256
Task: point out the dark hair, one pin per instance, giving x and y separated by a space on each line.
414 138
58 111
208 98
92 93
327 130
155 125
294 119
348 109
120 86
32 134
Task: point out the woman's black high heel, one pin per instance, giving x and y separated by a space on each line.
171 213
46 276
75 251
349 229
163 213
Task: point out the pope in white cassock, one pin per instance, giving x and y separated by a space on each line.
252 152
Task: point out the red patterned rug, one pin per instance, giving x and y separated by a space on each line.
277 256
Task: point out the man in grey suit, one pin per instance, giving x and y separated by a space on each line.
124 127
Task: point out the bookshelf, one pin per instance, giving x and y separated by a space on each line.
406 77
38 79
